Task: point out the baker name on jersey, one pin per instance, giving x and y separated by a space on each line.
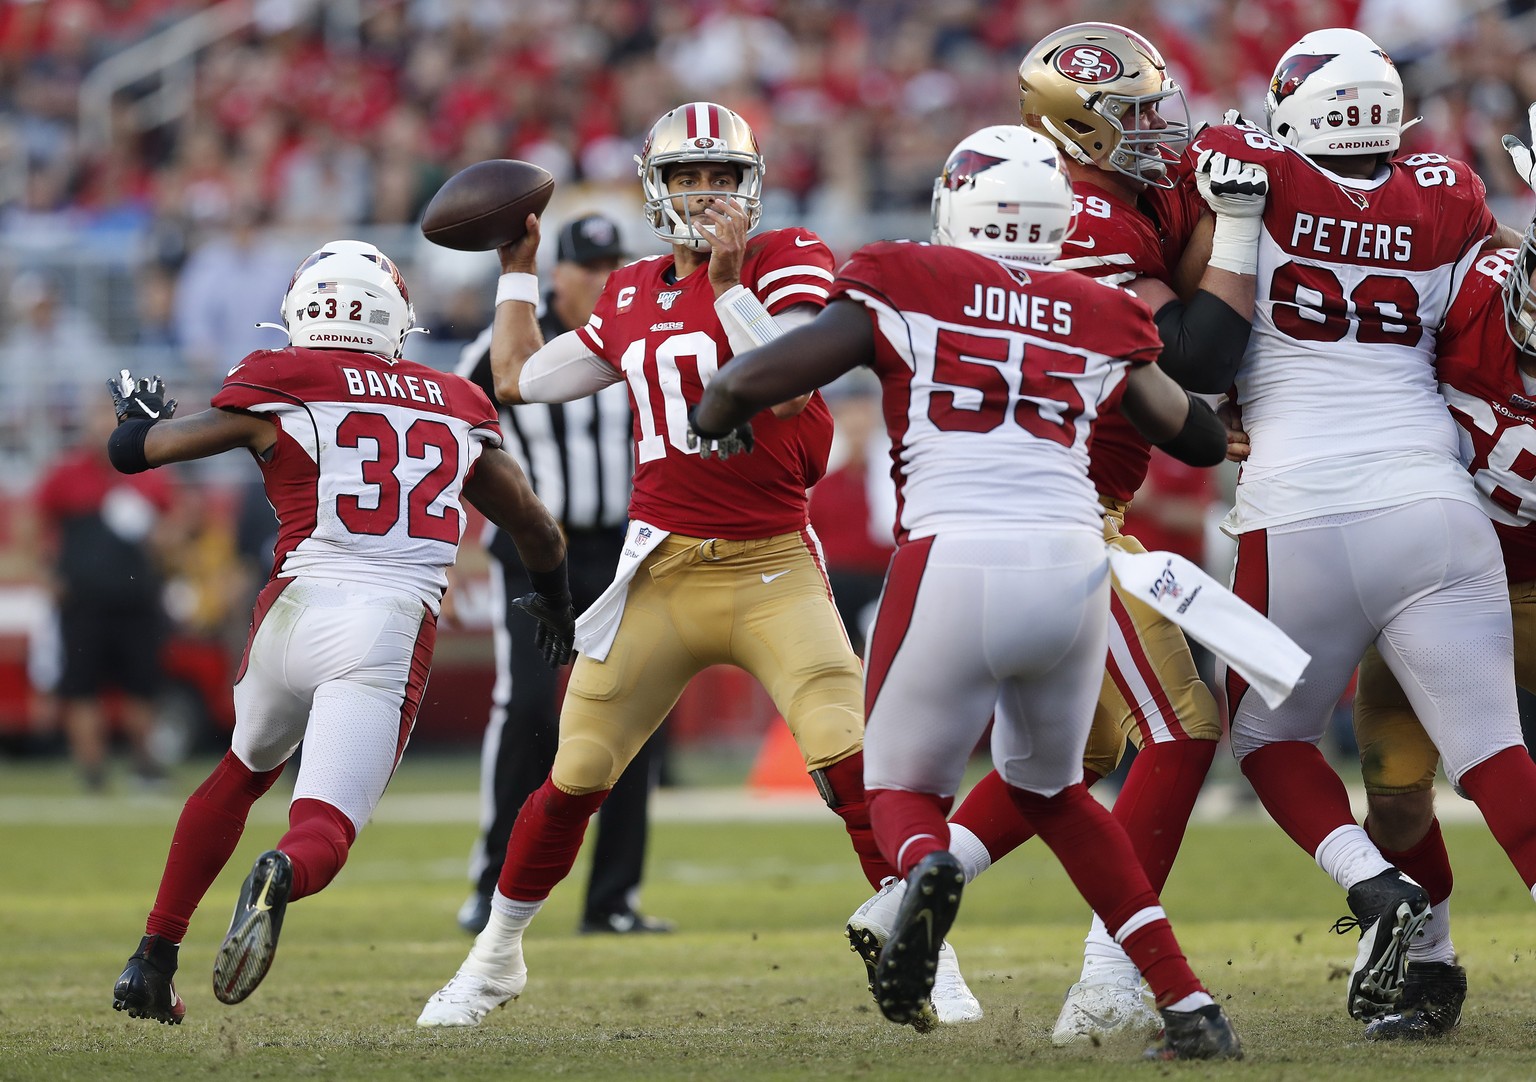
368 383
1001 305
1380 241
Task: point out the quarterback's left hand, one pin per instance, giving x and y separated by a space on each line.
141 401
735 442
1522 155
1233 188
556 634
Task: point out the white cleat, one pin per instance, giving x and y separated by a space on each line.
469 997
1096 1009
870 926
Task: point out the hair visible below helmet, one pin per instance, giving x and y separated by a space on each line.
1004 193
1336 92
698 132
1087 87
348 295
1519 297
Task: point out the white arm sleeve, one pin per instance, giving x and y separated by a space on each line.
564 370
747 323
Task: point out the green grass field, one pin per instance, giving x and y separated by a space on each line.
757 984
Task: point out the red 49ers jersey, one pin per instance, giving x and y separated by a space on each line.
1354 280
370 461
666 339
993 374
1495 405
1115 242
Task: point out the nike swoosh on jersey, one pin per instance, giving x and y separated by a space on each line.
802 243
776 575
1089 242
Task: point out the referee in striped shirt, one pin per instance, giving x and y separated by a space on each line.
577 456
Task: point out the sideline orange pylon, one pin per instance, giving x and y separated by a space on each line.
778 768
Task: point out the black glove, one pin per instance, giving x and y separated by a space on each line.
556 634
735 442
141 401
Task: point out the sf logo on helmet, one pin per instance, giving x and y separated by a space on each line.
1089 64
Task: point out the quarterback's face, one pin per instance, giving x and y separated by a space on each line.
690 181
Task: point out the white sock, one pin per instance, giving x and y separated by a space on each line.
1104 960
967 848
1350 857
1433 943
1192 1002
500 946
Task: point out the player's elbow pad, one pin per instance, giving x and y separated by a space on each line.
125 447
1203 342
1203 439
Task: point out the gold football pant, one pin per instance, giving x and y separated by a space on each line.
1396 754
1152 693
763 605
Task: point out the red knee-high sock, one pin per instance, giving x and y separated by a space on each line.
1098 858
990 813
1155 803
851 803
1501 787
909 826
318 839
1300 790
210 826
545 840
1427 863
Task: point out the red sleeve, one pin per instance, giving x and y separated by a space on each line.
864 271
1127 329
788 267
261 377
470 403
591 332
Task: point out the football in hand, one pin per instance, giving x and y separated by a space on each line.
486 205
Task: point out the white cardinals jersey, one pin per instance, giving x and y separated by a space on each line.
993 374
370 461
1338 389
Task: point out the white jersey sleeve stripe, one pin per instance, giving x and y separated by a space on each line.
802 289
803 270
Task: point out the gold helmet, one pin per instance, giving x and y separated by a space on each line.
1096 89
700 131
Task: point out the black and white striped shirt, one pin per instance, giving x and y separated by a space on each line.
576 454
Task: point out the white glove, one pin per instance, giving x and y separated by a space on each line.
1236 192
1521 155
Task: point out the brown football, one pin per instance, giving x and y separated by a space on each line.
486 205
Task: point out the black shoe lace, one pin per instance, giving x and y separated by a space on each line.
1345 925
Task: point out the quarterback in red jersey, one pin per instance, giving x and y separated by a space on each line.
719 565
994 366
1132 218
1356 521
366 458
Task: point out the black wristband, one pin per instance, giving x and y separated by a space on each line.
1203 342
1203 439
552 583
125 447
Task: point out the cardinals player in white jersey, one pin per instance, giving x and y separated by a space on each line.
367 459
719 565
994 366
1356 522
1103 95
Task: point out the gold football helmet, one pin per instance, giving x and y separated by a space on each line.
700 131
1100 92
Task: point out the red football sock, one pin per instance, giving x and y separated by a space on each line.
1300 790
1427 863
318 839
908 826
1501 787
1098 858
990 813
846 777
545 840
207 832
1155 803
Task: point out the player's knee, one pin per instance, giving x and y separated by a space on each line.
1399 821
583 765
827 716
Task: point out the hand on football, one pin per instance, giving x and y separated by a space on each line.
1230 187
522 257
711 445
139 401
1521 155
555 635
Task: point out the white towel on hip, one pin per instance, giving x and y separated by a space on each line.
596 628
1224 623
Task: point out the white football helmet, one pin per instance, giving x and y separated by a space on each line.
348 295
1336 92
1519 297
1004 193
1094 89
700 131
